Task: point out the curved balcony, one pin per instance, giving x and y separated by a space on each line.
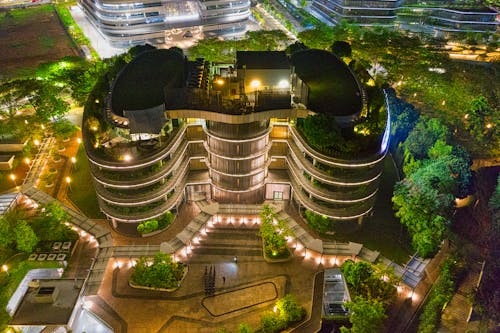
334 161
322 176
145 161
134 199
134 217
349 213
350 196
145 181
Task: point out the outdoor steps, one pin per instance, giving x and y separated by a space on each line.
230 241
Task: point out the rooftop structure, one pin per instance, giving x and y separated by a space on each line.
437 18
124 23
335 294
228 132
49 304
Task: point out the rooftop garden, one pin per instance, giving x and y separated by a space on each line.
140 85
333 88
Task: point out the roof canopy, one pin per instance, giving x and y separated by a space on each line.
149 120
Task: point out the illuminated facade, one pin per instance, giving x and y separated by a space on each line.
228 133
124 23
430 17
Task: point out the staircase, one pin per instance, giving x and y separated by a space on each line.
224 243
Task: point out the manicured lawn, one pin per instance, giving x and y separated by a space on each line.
141 85
333 88
82 191
383 232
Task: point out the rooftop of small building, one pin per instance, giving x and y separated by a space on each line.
32 313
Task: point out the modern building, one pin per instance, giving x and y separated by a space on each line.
437 18
230 133
124 23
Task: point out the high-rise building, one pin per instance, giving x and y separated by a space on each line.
177 130
125 23
438 18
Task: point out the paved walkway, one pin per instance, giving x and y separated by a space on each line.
108 296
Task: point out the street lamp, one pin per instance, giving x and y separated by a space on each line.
68 181
13 177
73 162
5 269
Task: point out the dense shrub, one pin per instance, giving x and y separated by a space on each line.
163 272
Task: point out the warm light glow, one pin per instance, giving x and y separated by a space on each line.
255 84
489 125
68 180
118 264
308 255
43 126
220 82
12 176
127 157
78 140
27 160
283 84
443 103
400 83
73 160
5 268
414 94
466 116
36 142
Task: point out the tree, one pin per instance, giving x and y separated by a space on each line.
47 103
244 328
271 323
49 224
274 233
163 272
289 310
367 316
26 238
424 135
341 49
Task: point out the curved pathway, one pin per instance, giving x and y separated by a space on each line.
108 296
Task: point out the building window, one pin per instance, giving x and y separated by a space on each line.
277 195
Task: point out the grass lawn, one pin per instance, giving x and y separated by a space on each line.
10 282
333 88
141 84
383 232
82 191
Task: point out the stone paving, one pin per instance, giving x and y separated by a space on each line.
249 287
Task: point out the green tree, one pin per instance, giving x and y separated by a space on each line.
244 328
163 272
271 323
320 223
47 102
367 316
26 238
274 233
424 135
289 310
49 224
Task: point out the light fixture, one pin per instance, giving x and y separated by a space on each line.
255 84
283 84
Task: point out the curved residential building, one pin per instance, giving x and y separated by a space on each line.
124 23
176 130
431 17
